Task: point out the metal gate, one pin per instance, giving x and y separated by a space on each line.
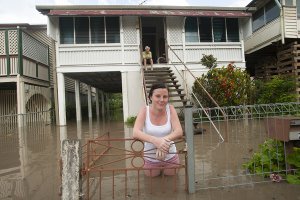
113 168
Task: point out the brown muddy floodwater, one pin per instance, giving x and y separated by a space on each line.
29 165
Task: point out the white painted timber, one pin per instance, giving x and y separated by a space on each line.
290 22
77 100
263 36
90 102
61 99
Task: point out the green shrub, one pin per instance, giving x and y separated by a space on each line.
293 159
228 86
209 61
130 121
279 89
268 158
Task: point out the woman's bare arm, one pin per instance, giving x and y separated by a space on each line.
138 133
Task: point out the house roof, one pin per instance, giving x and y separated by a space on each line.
143 10
23 25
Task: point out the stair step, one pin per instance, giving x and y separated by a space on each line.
177 95
163 81
166 76
157 71
183 101
170 90
176 85
175 90
156 68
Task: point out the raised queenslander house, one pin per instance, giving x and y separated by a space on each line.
25 64
101 46
273 47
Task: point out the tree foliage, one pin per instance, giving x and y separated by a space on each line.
228 86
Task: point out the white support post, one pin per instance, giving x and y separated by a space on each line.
61 99
21 102
77 100
97 103
107 107
122 40
125 96
90 101
102 104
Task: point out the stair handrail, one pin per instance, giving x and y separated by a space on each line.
144 86
143 79
217 105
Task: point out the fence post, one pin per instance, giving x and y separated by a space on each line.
71 164
189 135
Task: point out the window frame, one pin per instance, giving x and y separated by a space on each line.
265 20
212 30
90 31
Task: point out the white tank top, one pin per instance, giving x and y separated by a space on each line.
158 131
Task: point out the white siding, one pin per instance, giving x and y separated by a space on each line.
290 22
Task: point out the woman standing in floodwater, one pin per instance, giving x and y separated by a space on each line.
158 125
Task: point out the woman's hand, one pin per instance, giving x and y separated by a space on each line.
162 144
160 155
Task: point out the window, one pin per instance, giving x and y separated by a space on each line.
265 15
112 30
211 29
258 19
232 30
272 11
298 8
82 30
289 2
97 30
191 30
219 29
66 27
86 30
205 29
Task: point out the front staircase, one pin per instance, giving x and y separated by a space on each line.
177 97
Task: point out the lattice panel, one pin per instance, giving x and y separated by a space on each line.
175 26
13 42
34 49
2 43
129 30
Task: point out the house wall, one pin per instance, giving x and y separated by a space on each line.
125 57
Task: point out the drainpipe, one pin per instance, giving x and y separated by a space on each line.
281 21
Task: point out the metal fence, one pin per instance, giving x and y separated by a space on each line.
246 130
225 153
10 123
113 168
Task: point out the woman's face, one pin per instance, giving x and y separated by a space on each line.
160 98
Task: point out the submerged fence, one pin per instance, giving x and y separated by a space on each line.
256 146
10 123
254 150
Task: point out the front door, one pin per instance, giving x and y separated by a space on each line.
153 35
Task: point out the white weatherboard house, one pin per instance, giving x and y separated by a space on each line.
101 45
272 47
26 63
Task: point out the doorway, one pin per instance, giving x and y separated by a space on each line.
153 35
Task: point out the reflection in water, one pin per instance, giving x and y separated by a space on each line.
29 167
29 158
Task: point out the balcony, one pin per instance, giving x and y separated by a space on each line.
22 54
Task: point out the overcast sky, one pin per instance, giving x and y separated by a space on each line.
23 11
